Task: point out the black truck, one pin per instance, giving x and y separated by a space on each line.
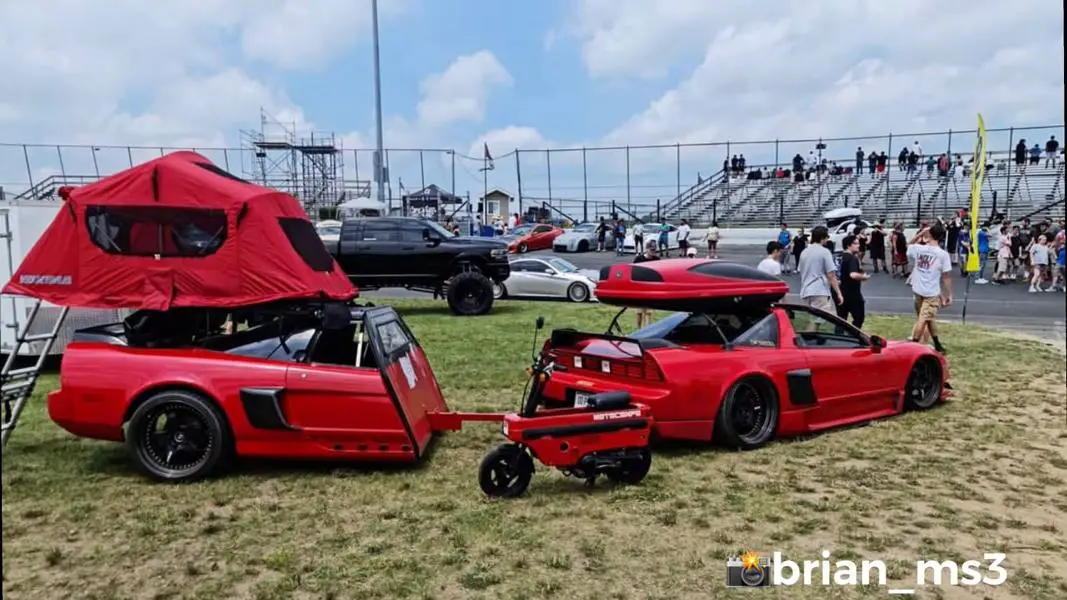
422 255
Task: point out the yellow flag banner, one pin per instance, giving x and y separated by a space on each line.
977 178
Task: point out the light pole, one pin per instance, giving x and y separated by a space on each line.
379 161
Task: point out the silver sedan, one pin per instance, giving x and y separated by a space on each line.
547 278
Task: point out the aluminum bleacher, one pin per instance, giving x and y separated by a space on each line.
1011 189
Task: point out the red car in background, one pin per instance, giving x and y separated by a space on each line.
733 364
532 237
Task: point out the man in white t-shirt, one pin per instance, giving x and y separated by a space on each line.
819 287
770 264
931 282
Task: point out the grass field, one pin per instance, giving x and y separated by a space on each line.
987 472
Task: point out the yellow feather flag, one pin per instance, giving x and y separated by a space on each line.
977 178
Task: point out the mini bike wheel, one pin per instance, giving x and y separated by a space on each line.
505 472
633 469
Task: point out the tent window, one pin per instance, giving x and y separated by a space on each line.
307 243
152 230
220 172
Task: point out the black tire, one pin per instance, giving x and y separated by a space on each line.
505 472
194 443
748 414
923 389
633 470
523 248
583 246
500 291
577 292
470 294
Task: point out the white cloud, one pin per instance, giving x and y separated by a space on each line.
300 33
507 139
841 67
461 92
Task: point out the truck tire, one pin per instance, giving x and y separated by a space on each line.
470 293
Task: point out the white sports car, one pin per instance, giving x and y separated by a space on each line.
650 231
549 277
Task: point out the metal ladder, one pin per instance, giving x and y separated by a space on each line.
16 385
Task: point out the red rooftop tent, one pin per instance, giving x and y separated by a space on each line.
178 232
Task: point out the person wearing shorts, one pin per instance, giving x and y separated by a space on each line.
1039 260
713 240
818 274
683 237
1005 268
931 282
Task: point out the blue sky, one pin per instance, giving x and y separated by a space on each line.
561 74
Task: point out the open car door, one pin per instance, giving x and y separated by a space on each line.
406 372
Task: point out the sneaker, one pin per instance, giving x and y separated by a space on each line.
1033 290
981 281
1051 289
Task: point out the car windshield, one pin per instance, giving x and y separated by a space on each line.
329 231
438 229
584 228
561 265
522 230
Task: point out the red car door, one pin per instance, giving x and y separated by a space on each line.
406 373
330 399
846 372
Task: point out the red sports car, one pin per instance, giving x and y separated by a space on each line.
735 365
347 383
533 237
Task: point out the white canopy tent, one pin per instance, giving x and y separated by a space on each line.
361 207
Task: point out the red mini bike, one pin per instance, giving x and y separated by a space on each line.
608 437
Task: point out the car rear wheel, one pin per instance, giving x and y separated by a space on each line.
748 415
505 472
924 385
583 246
499 291
469 294
523 248
577 293
178 436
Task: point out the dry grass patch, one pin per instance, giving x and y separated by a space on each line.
987 472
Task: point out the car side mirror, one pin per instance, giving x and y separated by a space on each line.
877 343
300 356
550 272
430 237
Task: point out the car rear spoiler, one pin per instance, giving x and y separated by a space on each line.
563 338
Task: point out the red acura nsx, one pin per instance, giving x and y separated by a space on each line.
734 364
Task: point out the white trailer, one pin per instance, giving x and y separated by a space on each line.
22 222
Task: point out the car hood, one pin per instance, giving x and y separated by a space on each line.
473 241
574 235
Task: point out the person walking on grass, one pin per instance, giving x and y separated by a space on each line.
931 282
852 278
819 287
644 315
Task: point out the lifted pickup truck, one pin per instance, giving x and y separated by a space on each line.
422 255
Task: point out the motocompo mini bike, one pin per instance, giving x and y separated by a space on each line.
608 437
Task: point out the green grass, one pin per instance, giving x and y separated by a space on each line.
987 472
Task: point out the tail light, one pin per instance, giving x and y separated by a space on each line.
636 368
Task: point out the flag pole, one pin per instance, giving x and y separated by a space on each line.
977 177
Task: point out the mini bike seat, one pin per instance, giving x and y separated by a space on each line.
609 401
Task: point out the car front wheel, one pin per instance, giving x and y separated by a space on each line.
577 293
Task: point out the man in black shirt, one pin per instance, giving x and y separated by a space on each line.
952 242
852 278
877 248
644 315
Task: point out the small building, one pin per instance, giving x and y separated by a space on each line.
497 204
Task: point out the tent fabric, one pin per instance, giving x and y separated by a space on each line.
178 231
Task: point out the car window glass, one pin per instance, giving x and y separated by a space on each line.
526 266
271 347
392 337
294 345
410 233
815 331
541 229
379 232
764 333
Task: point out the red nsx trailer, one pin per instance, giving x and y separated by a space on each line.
199 253
734 364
